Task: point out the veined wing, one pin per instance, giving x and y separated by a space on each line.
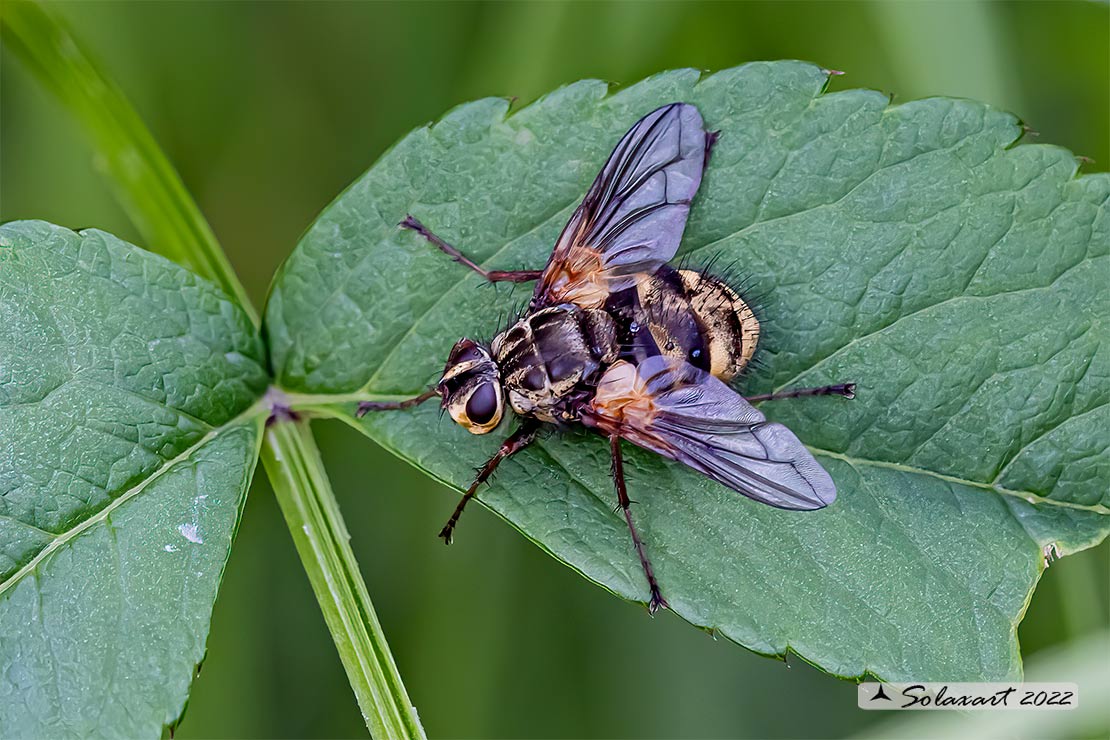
685 414
632 218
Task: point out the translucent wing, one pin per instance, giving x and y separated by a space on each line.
632 218
686 414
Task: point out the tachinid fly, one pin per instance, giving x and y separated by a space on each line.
616 339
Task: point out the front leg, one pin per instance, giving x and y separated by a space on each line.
524 435
494 276
408 403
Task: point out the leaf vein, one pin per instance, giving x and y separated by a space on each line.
924 309
1044 433
1026 496
257 409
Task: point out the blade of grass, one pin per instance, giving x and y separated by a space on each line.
173 226
144 181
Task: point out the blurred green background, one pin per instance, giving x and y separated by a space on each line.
270 109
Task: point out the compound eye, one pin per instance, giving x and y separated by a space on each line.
482 405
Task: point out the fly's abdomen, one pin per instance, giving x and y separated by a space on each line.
697 318
731 326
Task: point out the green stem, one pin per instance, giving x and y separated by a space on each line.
170 221
297 473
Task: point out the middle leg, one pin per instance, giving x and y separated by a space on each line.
494 276
657 601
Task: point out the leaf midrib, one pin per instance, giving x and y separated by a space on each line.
869 669
59 540
341 413
1025 495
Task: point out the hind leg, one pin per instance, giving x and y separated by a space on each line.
657 601
847 390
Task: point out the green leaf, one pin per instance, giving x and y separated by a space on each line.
154 196
128 403
912 249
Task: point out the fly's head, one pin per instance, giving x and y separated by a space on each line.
471 387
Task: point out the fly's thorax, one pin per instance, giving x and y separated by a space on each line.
699 319
471 387
549 354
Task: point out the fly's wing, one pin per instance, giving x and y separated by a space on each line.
685 414
632 218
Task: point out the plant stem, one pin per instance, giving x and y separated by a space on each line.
297 474
162 209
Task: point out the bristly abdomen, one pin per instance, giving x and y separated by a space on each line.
689 315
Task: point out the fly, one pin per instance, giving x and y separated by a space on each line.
619 341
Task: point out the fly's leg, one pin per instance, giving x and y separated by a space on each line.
517 441
408 403
847 390
657 601
494 276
